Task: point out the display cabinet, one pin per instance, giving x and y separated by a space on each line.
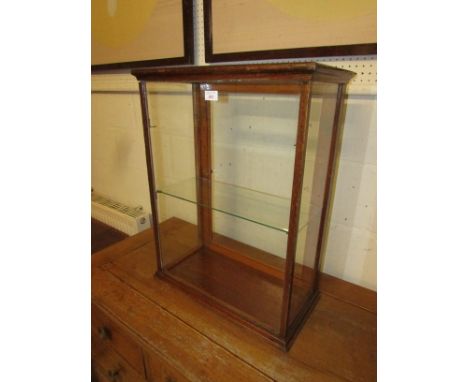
240 160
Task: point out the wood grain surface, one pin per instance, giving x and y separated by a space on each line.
337 342
103 235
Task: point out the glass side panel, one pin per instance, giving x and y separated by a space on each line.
179 231
322 112
170 108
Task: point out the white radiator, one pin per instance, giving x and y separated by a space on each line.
129 220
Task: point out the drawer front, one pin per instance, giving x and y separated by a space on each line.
160 371
106 334
111 367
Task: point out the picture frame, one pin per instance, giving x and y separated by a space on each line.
175 21
242 17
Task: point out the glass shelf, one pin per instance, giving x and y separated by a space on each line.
268 210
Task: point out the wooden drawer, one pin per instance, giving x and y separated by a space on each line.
97 373
160 371
111 367
105 335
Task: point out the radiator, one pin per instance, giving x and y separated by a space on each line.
129 220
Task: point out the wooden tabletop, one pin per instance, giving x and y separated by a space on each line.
337 343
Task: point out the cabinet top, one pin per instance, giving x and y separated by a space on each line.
291 72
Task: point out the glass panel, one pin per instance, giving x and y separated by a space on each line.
252 153
170 110
322 112
179 232
226 235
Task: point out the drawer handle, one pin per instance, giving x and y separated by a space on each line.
104 333
113 374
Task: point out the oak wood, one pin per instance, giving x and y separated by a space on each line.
252 293
317 202
97 374
337 342
117 340
330 285
248 255
348 292
243 282
204 167
273 88
178 240
103 235
331 168
109 361
197 127
150 168
108 254
301 140
297 72
160 370
170 339
260 260
155 367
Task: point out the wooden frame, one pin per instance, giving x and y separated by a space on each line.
276 78
187 58
317 51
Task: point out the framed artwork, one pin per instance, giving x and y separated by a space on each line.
129 34
239 30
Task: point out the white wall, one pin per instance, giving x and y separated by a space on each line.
118 165
119 170
351 252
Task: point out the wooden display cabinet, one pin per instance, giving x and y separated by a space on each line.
240 160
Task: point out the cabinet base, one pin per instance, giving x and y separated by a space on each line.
250 295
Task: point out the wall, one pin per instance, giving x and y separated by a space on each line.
119 167
351 251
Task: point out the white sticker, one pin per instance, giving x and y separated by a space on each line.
211 95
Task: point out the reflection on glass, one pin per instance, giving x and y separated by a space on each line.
322 111
226 234
258 207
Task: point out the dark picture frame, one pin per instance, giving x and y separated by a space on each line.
186 59
320 51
